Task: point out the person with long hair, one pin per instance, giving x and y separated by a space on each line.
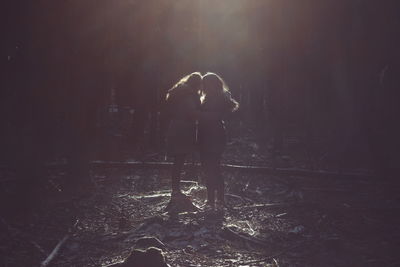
216 104
183 101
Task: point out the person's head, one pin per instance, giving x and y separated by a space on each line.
192 82
213 84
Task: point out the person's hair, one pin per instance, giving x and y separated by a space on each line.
223 89
191 80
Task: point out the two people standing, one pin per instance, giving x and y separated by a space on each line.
197 106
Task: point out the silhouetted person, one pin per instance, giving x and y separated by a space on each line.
216 105
183 100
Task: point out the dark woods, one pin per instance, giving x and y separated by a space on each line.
80 79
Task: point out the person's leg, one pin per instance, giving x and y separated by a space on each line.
220 189
206 163
179 161
210 191
219 180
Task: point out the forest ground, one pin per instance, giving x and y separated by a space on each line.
282 221
271 219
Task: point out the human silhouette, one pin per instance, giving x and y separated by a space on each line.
183 100
217 103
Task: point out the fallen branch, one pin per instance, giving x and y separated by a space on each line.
232 167
270 205
55 251
57 248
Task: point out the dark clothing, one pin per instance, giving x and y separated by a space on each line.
182 103
211 134
181 134
181 137
212 142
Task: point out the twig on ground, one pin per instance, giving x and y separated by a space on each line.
270 205
55 251
57 248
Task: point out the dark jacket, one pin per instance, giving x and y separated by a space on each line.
181 107
211 128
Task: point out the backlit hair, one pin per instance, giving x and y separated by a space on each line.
191 80
223 90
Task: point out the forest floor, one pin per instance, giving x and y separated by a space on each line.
271 220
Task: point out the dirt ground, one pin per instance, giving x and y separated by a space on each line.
270 221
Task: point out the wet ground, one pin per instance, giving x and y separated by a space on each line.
270 221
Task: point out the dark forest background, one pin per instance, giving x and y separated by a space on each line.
327 70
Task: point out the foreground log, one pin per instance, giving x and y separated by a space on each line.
232 167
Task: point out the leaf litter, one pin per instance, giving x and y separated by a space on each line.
269 221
